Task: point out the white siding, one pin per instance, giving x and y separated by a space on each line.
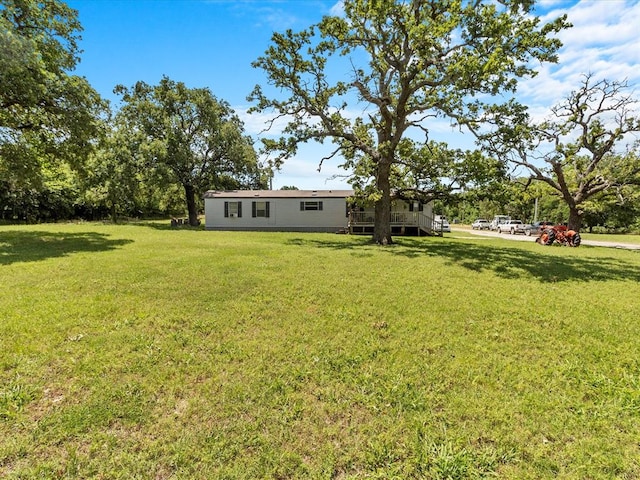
284 214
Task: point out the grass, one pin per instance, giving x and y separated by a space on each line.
137 351
612 237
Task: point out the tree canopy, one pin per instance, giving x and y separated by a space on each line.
583 150
189 136
47 116
400 64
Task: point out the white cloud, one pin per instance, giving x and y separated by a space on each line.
302 170
256 124
546 4
338 9
604 41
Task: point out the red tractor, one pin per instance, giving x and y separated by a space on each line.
560 234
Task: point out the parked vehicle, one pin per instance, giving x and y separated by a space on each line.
498 220
441 224
481 224
537 228
512 227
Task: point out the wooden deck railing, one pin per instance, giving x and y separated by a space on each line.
407 219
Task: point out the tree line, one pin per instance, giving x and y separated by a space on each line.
64 153
405 63
539 202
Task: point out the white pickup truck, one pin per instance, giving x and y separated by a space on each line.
512 227
498 220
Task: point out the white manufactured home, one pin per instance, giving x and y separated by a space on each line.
308 211
277 210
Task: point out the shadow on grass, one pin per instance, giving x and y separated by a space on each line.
164 225
506 262
350 242
35 246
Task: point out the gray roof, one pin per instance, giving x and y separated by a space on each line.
279 194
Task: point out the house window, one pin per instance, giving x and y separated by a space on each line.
233 209
260 209
310 205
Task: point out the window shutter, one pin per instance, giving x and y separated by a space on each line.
253 209
226 209
301 206
239 209
267 209
411 206
420 207
319 205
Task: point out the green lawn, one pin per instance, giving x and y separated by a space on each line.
611 237
137 351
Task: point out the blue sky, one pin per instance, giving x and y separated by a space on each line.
211 43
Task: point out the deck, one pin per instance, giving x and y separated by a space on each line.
402 223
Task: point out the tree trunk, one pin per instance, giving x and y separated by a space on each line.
114 213
113 210
190 194
575 219
382 225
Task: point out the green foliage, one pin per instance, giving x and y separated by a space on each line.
582 153
436 171
55 197
402 63
619 212
160 353
13 397
517 197
188 137
46 115
514 197
115 177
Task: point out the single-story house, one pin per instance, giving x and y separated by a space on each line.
307 211
277 210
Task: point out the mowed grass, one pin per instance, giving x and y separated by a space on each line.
138 351
611 237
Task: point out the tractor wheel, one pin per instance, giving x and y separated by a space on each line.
577 240
551 236
542 238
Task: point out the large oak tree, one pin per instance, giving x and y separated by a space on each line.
372 79
586 148
189 136
47 115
